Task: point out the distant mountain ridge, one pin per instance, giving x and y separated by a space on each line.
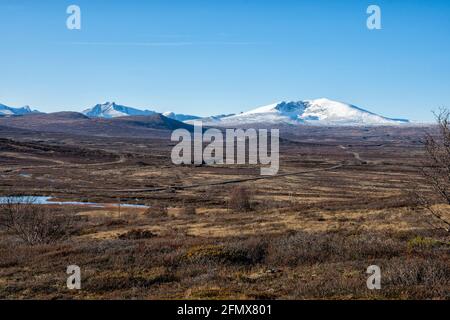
77 123
113 110
304 112
10 111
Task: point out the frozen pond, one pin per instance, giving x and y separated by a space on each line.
47 200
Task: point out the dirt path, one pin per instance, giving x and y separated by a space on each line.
355 154
218 183
200 185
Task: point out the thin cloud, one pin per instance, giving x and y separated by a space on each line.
164 44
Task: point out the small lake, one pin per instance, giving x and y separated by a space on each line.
47 201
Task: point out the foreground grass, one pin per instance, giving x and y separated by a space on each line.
170 263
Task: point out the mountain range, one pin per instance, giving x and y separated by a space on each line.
305 112
9 111
151 126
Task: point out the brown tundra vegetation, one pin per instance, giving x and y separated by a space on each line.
345 199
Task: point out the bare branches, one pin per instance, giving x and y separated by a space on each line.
425 203
34 224
436 168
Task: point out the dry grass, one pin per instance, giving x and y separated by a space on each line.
281 265
295 237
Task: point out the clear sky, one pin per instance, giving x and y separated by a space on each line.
209 57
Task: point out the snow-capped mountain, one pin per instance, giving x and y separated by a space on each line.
9 111
311 112
180 117
113 110
320 112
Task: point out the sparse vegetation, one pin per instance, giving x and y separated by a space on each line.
292 266
301 236
34 224
188 209
240 199
422 243
157 210
137 235
436 169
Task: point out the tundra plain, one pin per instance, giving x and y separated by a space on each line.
340 203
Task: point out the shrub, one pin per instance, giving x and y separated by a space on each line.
417 272
421 243
206 253
34 224
243 252
240 199
249 252
126 279
116 222
136 234
188 210
435 170
157 210
301 248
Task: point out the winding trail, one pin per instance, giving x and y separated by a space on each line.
218 183
355 154
122 159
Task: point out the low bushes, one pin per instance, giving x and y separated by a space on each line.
243 252
35 224
240 199
136 234
157 210
188 210
301 248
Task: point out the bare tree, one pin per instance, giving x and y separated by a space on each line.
436 168
32 223
240 199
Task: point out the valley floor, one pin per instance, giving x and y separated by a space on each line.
341 203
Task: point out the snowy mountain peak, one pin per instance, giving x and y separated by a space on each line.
10 111
113 110
319 111
339 113
107 105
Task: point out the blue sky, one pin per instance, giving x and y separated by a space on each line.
209 57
